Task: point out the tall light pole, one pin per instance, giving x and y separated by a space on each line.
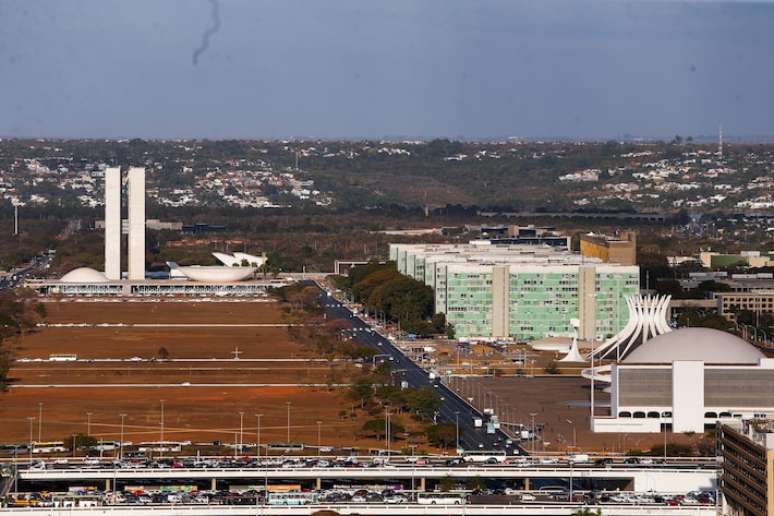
387 431
288 436
241 431
319 436
40 421
121 442
534 436
457 423
574 435
88 423
161 440
31 419
258 436
162 421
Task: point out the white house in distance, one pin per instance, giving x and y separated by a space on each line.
686 380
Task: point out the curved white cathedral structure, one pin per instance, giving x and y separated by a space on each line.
647 319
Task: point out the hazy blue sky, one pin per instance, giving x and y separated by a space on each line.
392 68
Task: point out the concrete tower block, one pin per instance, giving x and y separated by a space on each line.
136 223
113 223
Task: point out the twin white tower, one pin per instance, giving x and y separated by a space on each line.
113 226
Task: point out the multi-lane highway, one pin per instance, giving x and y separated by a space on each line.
19 274
453 408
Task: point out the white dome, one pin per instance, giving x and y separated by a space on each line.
216 273
705 344
84 275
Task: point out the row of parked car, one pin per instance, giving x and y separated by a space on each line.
93 498
350 462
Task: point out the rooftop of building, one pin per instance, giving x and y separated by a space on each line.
623 237
484 253
695 344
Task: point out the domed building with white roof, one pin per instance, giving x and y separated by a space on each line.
685 381
235 276
84 275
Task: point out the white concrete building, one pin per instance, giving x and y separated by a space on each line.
136 187
113 223
687 380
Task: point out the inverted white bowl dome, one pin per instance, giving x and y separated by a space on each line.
216 273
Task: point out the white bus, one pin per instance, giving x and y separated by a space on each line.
484 456
48 447
440 499
295 498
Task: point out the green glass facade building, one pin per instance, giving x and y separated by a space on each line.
520 292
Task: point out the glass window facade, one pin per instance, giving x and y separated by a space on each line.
469 303
542 305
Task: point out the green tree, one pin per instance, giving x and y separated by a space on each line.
442 435
585 511
424 402
80 441
362 389
19 313
377 428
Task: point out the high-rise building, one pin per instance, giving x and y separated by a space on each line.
747 482
523 292
113 223
136 187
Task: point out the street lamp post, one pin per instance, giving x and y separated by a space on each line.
387 431
288 436
258 436
319 436
121 441
40 421
574 434
571 480
162 421
457 423
161 440
88 423
534 436
241 431
31 419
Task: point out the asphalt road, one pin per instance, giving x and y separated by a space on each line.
471 438
13 280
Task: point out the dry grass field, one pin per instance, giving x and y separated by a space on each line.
192 412
142 311
145 342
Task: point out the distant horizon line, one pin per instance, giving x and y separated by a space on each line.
698 139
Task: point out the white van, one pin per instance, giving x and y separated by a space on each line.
440 499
